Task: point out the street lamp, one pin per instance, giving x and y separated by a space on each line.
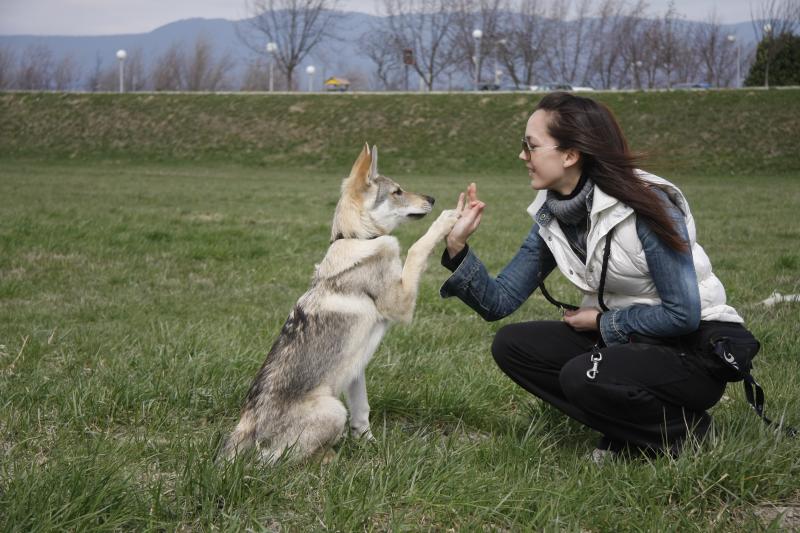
121 55
732 40
768 33
497 72
477 35
271 49
635 75
310 70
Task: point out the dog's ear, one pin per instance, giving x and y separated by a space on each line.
373 169
360 173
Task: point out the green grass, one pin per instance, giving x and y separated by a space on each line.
742 132
138 300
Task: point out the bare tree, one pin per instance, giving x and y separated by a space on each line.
633 36
204 72
167 73
483 15
6 68
528 33
714 52
573 42
423 26
296 26
256 76
387 57
35 68
66 74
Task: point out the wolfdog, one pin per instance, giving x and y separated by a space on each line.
358 289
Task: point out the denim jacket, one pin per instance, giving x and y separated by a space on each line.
673 274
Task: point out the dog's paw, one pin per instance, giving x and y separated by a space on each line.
447 219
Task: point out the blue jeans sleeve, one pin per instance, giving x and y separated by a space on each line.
675 280
496 298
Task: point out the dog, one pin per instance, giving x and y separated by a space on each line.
357 291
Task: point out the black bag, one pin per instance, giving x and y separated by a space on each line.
725 349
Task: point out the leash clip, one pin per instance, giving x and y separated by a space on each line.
596 357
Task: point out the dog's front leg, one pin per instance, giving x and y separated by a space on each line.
359 408
417 260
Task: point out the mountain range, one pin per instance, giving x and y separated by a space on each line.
333 57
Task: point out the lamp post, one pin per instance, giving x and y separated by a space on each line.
768 34
497 72
310 70
732 40
635 75
271 49
477 35
121 55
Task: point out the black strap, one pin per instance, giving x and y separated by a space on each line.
606 253
755 397
601 288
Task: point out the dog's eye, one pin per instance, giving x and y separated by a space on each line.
398 192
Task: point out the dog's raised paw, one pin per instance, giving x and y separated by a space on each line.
447 219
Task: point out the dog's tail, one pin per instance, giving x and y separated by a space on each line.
241 439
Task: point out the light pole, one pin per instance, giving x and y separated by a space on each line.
477 34
271 49
635 75
121 55
768 33
310 70
497 73
732 40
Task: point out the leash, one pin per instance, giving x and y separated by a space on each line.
597 356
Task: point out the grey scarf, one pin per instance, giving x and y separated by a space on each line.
572 213
572 209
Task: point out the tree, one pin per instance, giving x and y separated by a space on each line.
168 72
65 74
784 68
202 71
35 68
296 26
423 26
772 19
387 57
715 53
528 33
6 68
484 15
572 42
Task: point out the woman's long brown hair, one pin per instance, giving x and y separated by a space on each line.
590 127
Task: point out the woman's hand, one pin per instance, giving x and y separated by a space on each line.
583 319
471 212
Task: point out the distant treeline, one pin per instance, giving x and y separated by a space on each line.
604 44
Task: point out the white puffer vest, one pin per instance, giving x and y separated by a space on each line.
628 279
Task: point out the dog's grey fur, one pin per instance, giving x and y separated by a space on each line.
358 289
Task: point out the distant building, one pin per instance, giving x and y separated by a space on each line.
337 84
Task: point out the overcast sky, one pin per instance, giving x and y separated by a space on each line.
103 17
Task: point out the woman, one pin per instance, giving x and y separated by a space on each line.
620 371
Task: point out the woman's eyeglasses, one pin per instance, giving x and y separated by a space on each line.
528 148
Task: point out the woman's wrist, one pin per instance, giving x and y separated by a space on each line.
597 320
454 247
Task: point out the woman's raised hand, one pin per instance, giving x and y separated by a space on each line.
471 209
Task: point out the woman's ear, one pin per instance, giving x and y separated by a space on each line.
570 157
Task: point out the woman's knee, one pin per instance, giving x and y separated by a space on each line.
503 345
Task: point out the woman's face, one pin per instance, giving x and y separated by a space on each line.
548 167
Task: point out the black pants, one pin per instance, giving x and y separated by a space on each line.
643 396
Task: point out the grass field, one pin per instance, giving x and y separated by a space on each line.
138 300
